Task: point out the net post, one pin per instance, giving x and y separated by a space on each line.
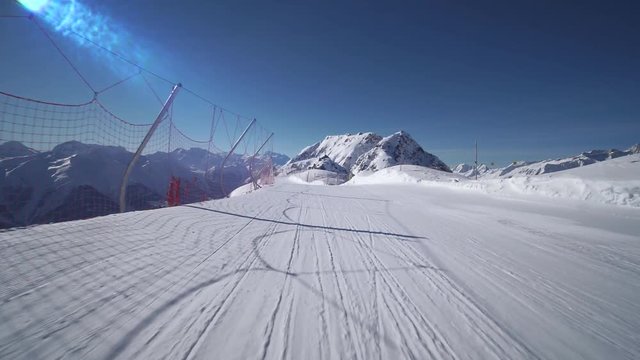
229 154
147 137
255 182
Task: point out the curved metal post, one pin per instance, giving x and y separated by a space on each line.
229 154
255 182
136 156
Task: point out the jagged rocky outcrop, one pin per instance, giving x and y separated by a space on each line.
342 149
397 149
365 152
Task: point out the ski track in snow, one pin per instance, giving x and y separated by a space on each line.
316 272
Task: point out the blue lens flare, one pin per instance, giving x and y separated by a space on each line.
34 5
87 28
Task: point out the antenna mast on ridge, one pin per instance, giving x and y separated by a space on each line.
476 159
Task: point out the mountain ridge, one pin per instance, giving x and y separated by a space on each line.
528 168
365 151
77 180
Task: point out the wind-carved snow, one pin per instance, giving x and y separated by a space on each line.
399 270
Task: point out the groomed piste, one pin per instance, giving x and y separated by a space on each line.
367 271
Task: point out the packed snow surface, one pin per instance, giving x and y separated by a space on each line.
378 271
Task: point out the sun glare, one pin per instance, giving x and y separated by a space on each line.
34 5
86 27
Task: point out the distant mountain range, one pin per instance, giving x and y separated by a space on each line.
355 153
76 180
523 168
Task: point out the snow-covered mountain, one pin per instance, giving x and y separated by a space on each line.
364 152
277 159
342 149
397 149
528 168
76 180
323 162
464 169
14 149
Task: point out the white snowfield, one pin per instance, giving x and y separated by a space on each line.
614 181
316 177
294 271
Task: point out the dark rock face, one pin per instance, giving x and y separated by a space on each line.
398 149
364 152
11 149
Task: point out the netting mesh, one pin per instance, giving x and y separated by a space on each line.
64 162
61 161
41 125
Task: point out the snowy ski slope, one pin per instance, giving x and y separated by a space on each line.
296 271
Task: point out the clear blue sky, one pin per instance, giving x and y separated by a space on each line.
527 79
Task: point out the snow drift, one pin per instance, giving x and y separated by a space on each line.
614 182
528 168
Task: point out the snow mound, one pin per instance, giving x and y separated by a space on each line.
405 174
242 190
612 182
317 177
615 182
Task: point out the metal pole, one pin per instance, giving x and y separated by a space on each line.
263 144
208 161
136 156
255 182
229 154
476 159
